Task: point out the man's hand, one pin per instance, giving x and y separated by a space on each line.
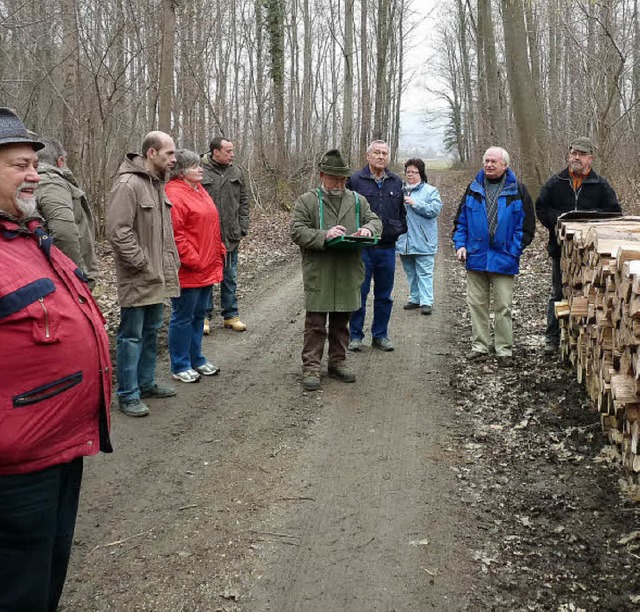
365 232
335 231
461 254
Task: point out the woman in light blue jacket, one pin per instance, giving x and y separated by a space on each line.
417 248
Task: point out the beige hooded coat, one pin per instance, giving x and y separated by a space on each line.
140 232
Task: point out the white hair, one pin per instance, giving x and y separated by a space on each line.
505 155
377 142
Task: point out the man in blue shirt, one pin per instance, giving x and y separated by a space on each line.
383 190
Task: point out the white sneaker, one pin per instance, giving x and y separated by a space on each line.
188 376
208 369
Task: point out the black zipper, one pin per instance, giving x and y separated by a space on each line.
47 391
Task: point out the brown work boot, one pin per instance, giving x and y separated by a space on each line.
310 380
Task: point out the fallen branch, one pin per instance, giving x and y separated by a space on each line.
118 542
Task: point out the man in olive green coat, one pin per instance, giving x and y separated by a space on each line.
332 277
65 209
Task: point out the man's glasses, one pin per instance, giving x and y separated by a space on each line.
411 172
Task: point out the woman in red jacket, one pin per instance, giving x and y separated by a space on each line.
196 227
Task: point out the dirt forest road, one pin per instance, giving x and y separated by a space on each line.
245 493
402 491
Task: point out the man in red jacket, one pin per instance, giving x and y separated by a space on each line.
55 386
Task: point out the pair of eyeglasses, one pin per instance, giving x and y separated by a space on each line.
411 172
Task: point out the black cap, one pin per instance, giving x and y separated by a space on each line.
13 131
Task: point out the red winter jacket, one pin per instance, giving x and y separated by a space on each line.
196 228
55 371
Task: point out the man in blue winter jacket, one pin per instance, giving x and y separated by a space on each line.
494 224
383 190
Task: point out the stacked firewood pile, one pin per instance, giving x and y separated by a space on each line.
600 322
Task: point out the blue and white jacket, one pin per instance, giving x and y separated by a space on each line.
514 232
422 221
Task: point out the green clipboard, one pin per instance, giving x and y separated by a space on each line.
346 243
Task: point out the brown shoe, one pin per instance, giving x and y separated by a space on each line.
342 373
235 324
207 327
310 380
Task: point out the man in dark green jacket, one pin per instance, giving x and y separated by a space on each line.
577 187
332 277
226 185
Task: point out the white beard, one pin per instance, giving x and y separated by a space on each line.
27 206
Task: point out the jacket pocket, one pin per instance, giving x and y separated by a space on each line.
24 296
32 306
47 391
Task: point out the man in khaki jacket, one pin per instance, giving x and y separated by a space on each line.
65 209
146 259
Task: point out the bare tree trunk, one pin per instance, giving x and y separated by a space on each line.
365 104
307 87
528 116
166 67
347 99
275 29
382 45
490 85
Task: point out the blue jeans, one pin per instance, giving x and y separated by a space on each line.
380 266
419 271
185 328
228 299
136 350
37 519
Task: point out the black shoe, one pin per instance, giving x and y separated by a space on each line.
411 306
476 356
505 361
342 373
158 391
550 348
426 310
384 344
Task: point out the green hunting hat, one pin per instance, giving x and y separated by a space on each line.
582 144
333 164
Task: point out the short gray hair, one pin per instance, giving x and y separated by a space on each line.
52 151
376 142
505 155
185 159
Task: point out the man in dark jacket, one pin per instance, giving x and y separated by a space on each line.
494 224
577 187
226 185
383 190
55 386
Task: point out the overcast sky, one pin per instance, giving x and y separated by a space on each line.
417 101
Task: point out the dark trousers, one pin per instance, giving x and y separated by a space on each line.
552 333
315 334
37 519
